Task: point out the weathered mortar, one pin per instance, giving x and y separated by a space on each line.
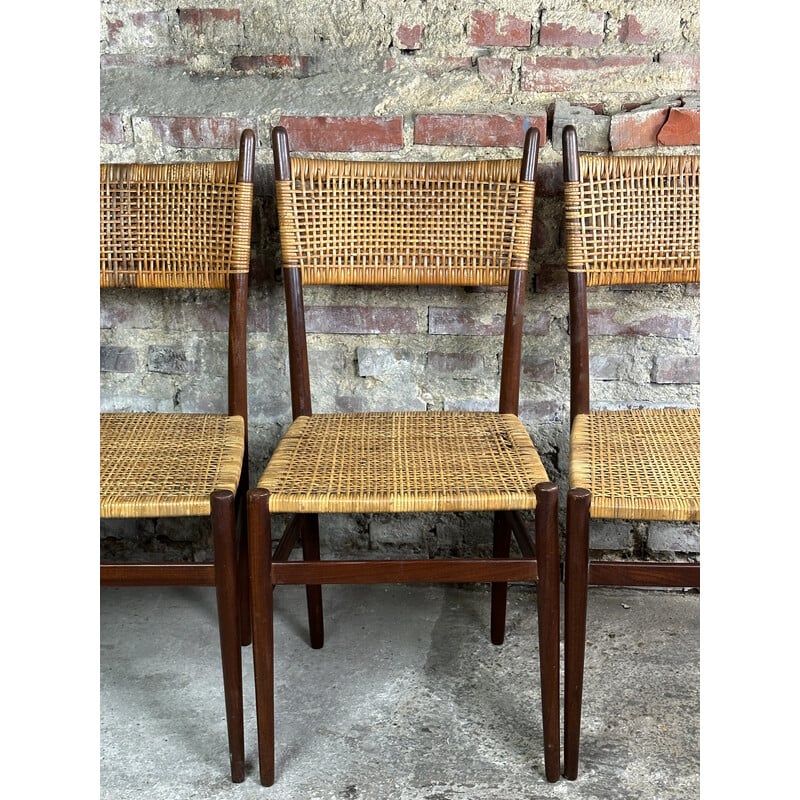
180 85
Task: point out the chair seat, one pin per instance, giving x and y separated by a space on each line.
638 463
403 461
167 465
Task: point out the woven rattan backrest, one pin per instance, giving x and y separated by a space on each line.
173 225
452 223
634 219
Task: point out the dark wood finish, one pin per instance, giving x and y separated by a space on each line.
310 542
223 525
462 570
259 531
162 574
644 573
539 561
501 549
578 315
547 600
575 591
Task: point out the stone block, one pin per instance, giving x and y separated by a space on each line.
592 129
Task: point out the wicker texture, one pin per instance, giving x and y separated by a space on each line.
173 225
167 465
639 463
404 461
634 219
451 223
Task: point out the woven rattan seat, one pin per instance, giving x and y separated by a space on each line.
405 461
630 220
640 464
167 465
365 223
169 227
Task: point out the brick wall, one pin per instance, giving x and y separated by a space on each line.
461 79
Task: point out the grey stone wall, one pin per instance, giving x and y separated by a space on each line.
398 80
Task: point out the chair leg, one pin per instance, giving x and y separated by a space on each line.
243 569
501 549
576 583
547 596
260 544
310 542
223 523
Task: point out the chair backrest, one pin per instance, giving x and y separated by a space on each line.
628 220
632 219
464 223
183 226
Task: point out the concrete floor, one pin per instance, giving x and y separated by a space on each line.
408 700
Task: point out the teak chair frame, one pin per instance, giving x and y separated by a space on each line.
640 259
148 215
539 560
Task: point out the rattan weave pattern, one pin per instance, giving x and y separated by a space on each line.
410 223
634 219
173 225
639 463
404 461
166 465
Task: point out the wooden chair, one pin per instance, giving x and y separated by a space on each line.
185 226
629 220
367 223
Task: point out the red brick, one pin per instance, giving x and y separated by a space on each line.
111 129
211 132
561 73
113 30
660 25
489 28
359 319
464 322
555 34
477 130
539 369
199 20
630 31
409 37
470 322
681 128
498 72
633 130
676 369
602 321
449 363
344 134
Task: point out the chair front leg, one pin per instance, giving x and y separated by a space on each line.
576 586
223 525
260 545
547 596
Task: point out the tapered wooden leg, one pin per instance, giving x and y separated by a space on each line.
576 583
223 523
501 549
547 595
310 542
260 544
243 567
